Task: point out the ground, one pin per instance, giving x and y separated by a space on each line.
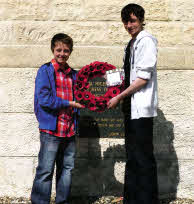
93 200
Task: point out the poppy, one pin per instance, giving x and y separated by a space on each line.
80 85
88 96
79 95
113 91
84 71
92 105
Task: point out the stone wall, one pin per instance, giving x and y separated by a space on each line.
26 28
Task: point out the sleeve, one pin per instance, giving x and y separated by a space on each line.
146 59
45 95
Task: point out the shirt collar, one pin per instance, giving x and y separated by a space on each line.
66 69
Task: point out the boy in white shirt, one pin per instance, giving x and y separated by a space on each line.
139 108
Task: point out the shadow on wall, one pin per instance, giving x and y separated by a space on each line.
167 161
94 173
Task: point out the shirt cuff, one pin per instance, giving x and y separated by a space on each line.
65 103
144 74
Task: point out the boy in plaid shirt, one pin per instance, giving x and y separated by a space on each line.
56 112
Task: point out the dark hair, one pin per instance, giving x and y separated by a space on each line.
64 38
134 9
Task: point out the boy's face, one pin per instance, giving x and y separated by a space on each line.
133 26
61 53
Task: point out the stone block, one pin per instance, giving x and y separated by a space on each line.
17 90
174 129
171 33
24 10
82 56
21 56
66 10
110 10
19 135
181 10
175 58
155 10
6 32
175 90
16 176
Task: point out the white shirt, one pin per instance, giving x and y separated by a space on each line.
143 65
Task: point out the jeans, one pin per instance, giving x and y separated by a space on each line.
140 185
53 150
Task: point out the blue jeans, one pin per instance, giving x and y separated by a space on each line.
53 150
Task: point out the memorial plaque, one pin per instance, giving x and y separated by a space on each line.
108 124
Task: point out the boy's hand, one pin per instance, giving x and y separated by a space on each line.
75 104
113 102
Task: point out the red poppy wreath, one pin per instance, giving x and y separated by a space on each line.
86 98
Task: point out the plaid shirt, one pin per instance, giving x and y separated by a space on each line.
64 87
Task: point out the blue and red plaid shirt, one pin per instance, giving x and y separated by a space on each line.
64 89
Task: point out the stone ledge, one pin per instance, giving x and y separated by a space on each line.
91 33
170 10
178 58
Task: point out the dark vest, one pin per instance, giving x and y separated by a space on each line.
126 106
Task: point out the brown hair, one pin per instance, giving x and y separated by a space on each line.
64 38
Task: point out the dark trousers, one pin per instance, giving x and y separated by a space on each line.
140 186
